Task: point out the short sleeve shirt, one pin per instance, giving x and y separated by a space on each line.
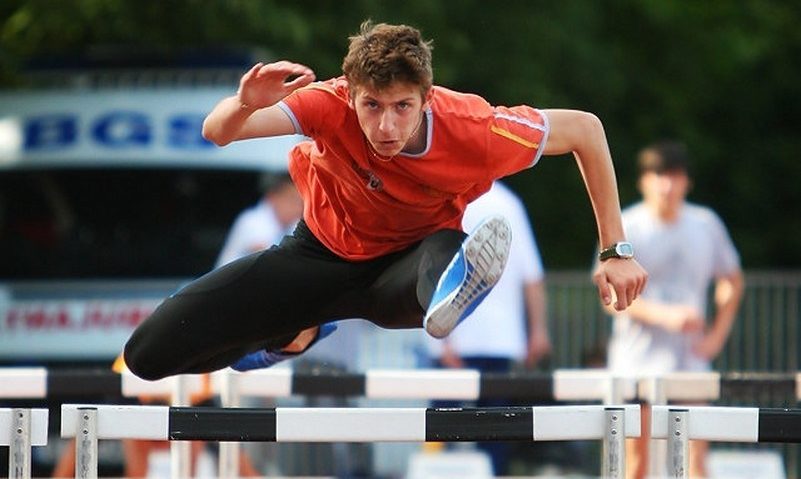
677 274
361 208
255 229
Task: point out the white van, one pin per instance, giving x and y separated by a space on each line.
109 200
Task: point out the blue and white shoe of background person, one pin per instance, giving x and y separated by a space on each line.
470 276
264 358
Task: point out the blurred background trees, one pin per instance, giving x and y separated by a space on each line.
722 76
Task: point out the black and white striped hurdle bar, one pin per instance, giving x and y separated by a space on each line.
679 425
31 383
465 384
19 430
544 423
732 424
283 382
561 385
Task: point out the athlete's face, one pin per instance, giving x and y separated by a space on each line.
390 117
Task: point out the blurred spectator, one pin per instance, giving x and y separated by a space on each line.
685 248
510 325
265 223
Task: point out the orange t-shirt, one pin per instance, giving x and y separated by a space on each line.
361 208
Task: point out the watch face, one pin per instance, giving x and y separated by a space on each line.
625 250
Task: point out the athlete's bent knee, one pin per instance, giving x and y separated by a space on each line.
140 363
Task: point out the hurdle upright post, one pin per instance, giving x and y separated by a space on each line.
19 452
614 445
180 452
678 444
615 390
86 444
229 451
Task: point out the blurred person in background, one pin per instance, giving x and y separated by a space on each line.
685 248
510 326
392 163
265 223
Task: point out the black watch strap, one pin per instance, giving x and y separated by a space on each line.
622 249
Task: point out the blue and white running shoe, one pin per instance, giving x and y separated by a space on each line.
470 276
265 358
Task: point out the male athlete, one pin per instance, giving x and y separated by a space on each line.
391 163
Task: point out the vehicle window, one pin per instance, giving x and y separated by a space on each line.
122 223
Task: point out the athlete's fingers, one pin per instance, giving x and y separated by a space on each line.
641 284
283 69
631 293
622 299
301 81
251 73
603 289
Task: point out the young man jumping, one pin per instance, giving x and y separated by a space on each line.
390 166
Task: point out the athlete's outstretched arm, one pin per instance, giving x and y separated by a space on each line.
252 113
583 135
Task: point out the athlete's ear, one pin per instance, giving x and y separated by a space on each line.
352 98
427 99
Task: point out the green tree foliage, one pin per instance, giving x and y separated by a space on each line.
722 76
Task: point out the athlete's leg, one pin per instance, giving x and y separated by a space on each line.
470 276
401 292
259 302
383 290
421 281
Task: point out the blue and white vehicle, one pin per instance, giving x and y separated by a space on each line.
110 199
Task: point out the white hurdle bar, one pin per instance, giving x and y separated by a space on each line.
679 425
545 423
19 430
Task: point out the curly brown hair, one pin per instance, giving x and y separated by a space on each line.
382 54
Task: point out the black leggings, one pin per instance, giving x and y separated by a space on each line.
265 299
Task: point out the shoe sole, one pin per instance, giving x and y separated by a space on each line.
486 251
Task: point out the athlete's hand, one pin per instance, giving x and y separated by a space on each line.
624 278
265 85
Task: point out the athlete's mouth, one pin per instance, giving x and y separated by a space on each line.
387 145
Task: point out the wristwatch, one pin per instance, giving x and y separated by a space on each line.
621 249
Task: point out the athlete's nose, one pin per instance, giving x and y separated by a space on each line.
386 123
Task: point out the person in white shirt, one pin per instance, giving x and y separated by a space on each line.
685 248
265 223
509 327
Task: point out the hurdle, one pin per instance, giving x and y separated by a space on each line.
32 383
465 384
428 384
90 423
19 430
726 424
